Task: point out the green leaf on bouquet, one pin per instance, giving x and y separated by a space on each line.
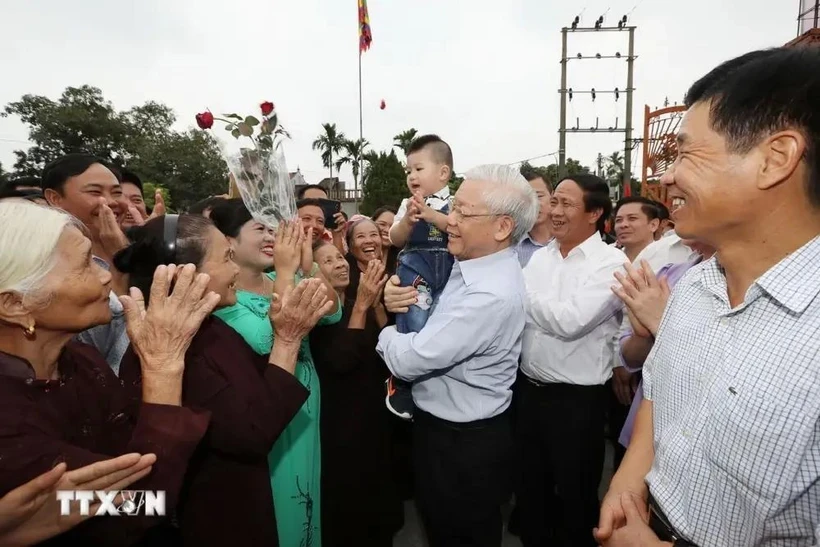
250 120
244 129
235 133
265 128
234 116
230 127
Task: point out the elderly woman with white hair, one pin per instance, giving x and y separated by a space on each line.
59 399
464 361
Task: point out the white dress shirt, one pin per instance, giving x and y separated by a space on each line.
572 313
669 249
736 406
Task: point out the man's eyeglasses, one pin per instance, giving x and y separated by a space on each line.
460 216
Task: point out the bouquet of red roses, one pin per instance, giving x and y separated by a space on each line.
258 170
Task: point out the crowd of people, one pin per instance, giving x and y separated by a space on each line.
295 385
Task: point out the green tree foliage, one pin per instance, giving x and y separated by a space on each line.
353 153
4 177
329 143
187 163
550 173
402 140
385 182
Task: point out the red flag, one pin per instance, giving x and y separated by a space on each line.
365 37
627 189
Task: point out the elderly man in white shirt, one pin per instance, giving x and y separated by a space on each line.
566 360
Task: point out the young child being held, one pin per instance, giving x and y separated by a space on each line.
420 230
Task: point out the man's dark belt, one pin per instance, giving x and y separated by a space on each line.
660 525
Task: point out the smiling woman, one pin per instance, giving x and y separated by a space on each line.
59 400
295 460
252 396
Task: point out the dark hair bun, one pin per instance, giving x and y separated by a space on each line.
140 257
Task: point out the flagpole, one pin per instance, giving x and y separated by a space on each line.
361 135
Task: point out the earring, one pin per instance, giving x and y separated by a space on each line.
30 331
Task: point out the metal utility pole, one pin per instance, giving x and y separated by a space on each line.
567 93
562 132
626 190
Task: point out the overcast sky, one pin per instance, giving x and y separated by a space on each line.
483 74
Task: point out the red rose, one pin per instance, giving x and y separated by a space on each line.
267 108
205 120
383 105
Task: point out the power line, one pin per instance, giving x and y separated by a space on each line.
534 158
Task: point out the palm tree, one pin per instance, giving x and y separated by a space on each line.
615 169
353 153
330 142
403 139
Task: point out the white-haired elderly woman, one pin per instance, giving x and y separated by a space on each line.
464 361
60 402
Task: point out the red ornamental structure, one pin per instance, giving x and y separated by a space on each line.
659 148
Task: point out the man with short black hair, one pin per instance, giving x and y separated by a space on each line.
726 444
132 193
311 191
636 220
566 360
89 188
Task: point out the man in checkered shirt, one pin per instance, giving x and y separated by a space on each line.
726 449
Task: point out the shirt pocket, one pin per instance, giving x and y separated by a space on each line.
756 439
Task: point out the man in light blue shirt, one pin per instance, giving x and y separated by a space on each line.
464 361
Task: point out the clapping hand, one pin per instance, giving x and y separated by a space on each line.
108 231
297 311
423 211
288 250
162 333
371 284
306 262
30 513
645 297
159 205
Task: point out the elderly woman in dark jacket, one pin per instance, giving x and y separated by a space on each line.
360 504
227 495
59 400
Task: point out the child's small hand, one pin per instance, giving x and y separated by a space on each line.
412 214
424 211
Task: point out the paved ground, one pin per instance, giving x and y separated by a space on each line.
412 535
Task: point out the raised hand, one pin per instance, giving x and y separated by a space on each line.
371 284
162 333
341 223
109 234
297 311
159 205
645 297
30 513
288 250
423 211
306 262
134 216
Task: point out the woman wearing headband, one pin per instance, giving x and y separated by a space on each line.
251 397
